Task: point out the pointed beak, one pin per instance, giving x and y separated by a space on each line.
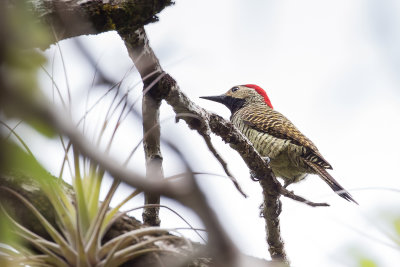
230 102
218 98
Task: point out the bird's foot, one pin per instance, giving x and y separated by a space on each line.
279 210
253 176
261 208
267 159
286 184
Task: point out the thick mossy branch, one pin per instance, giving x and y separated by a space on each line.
29 188
70 18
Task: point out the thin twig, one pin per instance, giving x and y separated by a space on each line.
293 196
224 165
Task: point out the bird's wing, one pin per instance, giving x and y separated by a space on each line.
274 123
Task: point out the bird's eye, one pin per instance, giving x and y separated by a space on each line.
234 89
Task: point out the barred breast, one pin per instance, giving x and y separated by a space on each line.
285 156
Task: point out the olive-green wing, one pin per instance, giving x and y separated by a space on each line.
274 123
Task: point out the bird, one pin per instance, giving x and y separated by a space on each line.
292 155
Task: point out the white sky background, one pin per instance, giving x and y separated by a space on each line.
332 67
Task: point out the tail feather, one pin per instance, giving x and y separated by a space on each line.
331 181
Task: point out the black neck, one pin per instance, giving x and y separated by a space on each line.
234 104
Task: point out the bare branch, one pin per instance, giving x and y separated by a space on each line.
148 66
151 144
224 165
272 208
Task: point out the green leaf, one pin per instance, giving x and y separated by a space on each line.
43 128
367 263
83 212
6 236
397 225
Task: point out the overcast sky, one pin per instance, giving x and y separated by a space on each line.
331 67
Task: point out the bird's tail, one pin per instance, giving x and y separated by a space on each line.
331 182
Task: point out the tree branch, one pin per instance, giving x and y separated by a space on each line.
152 151
137 48
272 208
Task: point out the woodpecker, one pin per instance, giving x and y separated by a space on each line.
292 155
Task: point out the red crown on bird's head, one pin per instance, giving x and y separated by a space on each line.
261 92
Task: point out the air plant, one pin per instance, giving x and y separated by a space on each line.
82 220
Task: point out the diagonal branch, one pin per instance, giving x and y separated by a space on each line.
207 140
